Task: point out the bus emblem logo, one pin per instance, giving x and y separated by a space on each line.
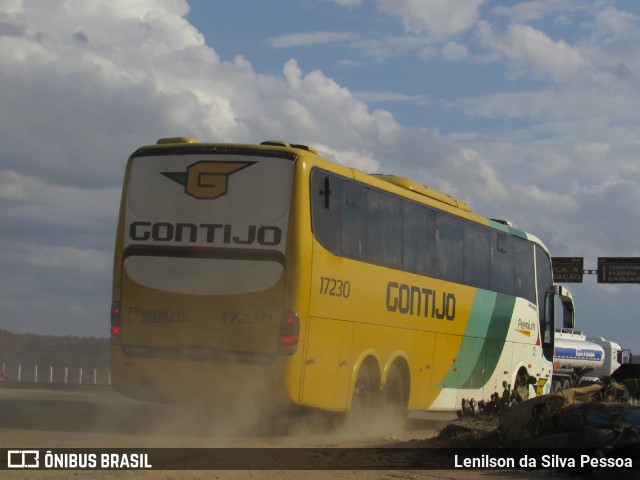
206 180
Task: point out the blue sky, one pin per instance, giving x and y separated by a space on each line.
526 110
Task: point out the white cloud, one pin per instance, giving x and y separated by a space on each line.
349 63
614 22
608 217
437 19
385 48
374 97
57 258
428 53
11 188
360 159
530 51
319 108
305 39
528 11
454 51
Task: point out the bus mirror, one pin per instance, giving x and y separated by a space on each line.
568 308
569 319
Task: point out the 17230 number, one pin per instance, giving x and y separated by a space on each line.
335 287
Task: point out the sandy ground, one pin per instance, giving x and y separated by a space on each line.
50 418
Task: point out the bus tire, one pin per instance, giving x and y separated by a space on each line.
365 394
521 386
396 394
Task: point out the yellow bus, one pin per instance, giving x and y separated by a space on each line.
268 273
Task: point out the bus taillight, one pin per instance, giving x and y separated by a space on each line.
116 324
289 333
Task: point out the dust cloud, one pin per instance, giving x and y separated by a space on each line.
250 422
254 412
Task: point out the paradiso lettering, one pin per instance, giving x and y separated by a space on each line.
419 301
213 233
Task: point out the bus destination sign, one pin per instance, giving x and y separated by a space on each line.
567 269
618 269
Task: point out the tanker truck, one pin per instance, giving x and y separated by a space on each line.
578 358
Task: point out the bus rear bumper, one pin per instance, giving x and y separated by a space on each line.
225 384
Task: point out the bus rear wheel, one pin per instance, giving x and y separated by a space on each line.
395 395
364 397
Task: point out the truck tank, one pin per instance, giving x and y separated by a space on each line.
614 356
573 353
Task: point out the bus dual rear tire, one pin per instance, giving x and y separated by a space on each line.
368 400
395 395
365 396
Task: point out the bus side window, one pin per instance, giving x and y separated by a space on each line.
326 209
523 270
419 234
384 234
502 268
449 248
354 221
477 255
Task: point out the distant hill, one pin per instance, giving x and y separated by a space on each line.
72 353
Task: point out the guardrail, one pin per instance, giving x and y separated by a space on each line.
55 374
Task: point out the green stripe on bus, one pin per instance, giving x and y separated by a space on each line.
480 363
507 229
472 345
497 334
484 340
499 226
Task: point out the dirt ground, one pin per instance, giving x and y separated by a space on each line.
44 418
